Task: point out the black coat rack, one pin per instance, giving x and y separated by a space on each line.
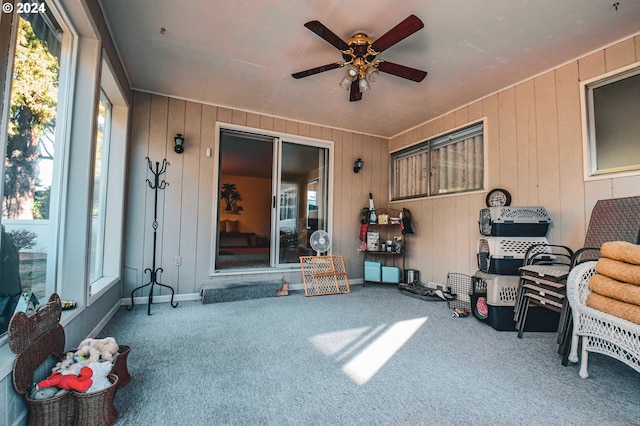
156 185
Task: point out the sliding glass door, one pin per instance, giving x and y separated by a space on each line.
303 198
244 204
273 195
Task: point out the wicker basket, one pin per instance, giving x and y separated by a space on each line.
56 411
120 365
34 339
96 408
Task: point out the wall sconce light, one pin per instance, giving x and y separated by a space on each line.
179 140
358 165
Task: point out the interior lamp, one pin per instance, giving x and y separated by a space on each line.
363 83
357 166
179 144
373 74
364 72
351 75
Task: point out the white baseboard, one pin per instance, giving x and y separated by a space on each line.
143 300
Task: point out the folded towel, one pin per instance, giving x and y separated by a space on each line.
614 307
609 287
621 250
621 271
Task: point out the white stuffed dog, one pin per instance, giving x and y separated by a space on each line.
98 348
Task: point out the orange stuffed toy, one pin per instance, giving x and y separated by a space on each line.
69 381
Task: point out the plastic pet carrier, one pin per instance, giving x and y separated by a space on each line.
479 307
501 290
514 221
503 256
493 301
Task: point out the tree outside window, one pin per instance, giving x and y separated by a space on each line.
32 119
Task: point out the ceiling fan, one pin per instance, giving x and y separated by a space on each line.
360 56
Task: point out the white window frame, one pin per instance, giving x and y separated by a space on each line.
279 138
114 187
67 59
96 248
591 171
66 86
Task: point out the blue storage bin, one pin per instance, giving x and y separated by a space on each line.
372 270
390 274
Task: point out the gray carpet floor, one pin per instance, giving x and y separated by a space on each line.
371 357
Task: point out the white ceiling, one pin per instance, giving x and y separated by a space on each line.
241 54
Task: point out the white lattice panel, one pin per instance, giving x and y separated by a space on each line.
324 275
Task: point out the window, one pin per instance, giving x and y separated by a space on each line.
100 173
612 106
447 164
32 166
107 204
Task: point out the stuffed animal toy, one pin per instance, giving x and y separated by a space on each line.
44 393
98 348
79 383
88 354
38 394
101 370
65 363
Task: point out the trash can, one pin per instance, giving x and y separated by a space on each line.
411 275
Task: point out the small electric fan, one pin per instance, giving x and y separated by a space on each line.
320 241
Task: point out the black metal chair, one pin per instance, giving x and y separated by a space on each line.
542 281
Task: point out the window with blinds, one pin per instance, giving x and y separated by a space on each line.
447 164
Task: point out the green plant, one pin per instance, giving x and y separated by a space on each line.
41 203
23 238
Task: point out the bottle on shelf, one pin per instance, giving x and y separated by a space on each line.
373 218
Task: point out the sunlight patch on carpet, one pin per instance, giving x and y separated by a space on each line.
344 342
371 359
334 342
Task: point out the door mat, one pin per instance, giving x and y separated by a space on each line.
219 293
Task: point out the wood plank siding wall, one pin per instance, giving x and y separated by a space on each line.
534 144
186 206
534 149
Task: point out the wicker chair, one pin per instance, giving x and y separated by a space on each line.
616 219
600 332
612 220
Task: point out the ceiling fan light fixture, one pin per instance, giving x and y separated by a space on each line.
373 75
350 77
363 84
345 83
359 55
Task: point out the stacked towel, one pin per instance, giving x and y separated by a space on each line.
621 250
614 307
615 289
605 286
618 270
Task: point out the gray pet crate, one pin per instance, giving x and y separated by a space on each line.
500 294
508 221
504 255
